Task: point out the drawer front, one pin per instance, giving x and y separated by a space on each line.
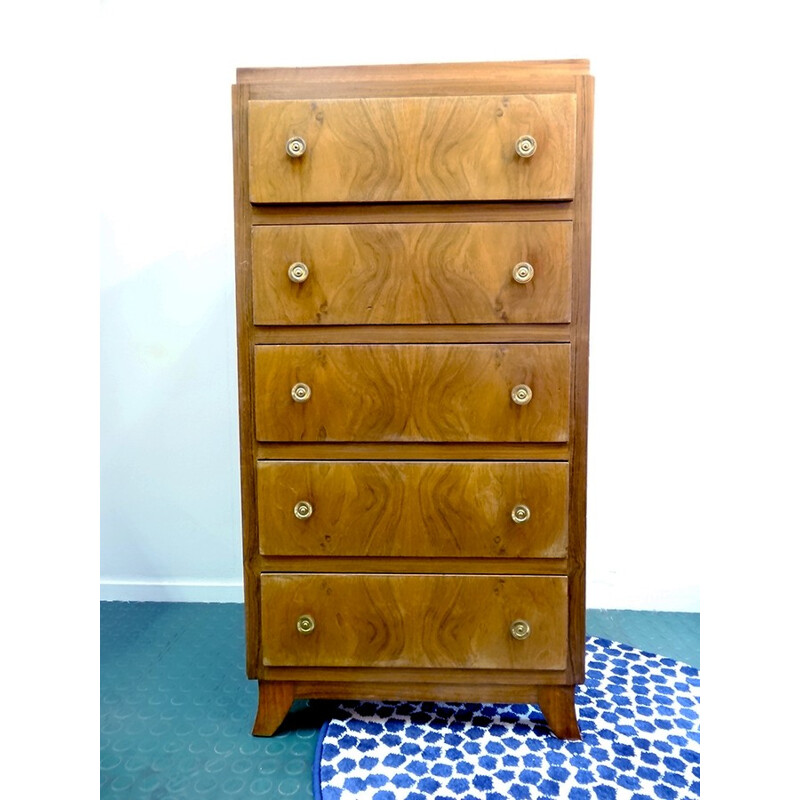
412 273
414 148
413 509
436 621
446 393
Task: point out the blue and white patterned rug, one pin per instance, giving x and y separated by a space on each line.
638 714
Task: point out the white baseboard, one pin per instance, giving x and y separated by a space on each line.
172 591
610 592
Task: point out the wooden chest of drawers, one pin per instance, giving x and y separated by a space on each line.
412 251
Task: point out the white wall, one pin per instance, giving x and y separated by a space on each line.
170 504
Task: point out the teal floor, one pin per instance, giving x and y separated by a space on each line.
176 709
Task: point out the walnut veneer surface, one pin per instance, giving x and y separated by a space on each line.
412 270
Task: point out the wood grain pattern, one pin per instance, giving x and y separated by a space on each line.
412 392
429 621
408 451
244 329
430 138
415 80
558 706
463 692
431 77
406 677
349 213
434 509
274 701
579 377
412 334
412 149
412 273
440 565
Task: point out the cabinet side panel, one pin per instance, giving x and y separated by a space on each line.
244 327
580 379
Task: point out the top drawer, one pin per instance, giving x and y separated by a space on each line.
412 149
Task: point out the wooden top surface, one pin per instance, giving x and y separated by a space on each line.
506 70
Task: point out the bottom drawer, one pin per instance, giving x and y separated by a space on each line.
455 621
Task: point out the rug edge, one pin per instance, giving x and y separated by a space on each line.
316 780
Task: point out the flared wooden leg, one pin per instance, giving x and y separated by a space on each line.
274 701
558 706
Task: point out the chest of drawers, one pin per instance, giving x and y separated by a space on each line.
412 265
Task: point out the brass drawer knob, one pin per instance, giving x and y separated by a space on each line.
521 394
525 146
523 272
303 509
521 513
298 272
296 146
520 629
306 624
301 393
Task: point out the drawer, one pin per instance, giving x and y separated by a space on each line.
404 392
412 273
412 149
413 509
428 621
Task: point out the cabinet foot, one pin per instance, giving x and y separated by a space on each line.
558 706
274 701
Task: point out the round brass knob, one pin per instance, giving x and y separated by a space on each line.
298 272
521 394
520 513
296 146
523 272
520 629
306 624
525 146
301 393
303 509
